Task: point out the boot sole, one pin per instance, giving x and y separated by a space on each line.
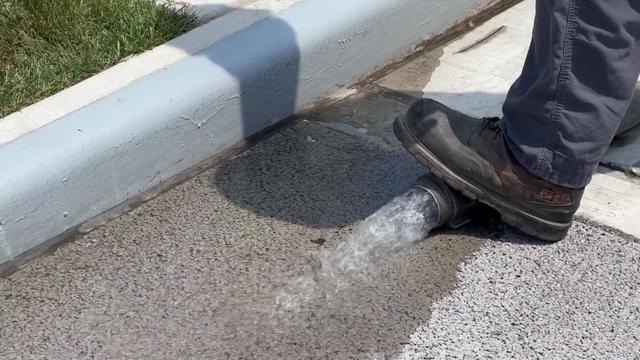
509 212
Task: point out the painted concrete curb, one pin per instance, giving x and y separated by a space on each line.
59 176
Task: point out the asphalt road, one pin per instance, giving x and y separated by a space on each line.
199 271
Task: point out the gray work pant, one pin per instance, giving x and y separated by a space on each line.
577 83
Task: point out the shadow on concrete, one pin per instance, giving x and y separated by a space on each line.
319 175
268 81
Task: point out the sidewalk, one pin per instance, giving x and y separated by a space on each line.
195 273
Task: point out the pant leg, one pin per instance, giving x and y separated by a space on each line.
577 83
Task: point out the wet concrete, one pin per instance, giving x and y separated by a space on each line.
199 271
410 78
195 272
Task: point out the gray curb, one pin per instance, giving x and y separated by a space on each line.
78 167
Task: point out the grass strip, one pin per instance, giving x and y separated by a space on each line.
49 45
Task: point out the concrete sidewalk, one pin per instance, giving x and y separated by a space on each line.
196 272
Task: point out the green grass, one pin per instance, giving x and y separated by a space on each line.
49 45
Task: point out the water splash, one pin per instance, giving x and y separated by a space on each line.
392 229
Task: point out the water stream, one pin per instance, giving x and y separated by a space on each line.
390 230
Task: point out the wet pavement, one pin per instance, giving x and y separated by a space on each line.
197 272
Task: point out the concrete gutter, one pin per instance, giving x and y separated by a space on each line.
74 168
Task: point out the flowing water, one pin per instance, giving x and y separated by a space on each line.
392 229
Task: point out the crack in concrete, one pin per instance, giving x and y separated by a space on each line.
483 40
30 212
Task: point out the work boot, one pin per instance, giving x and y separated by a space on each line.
471 156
